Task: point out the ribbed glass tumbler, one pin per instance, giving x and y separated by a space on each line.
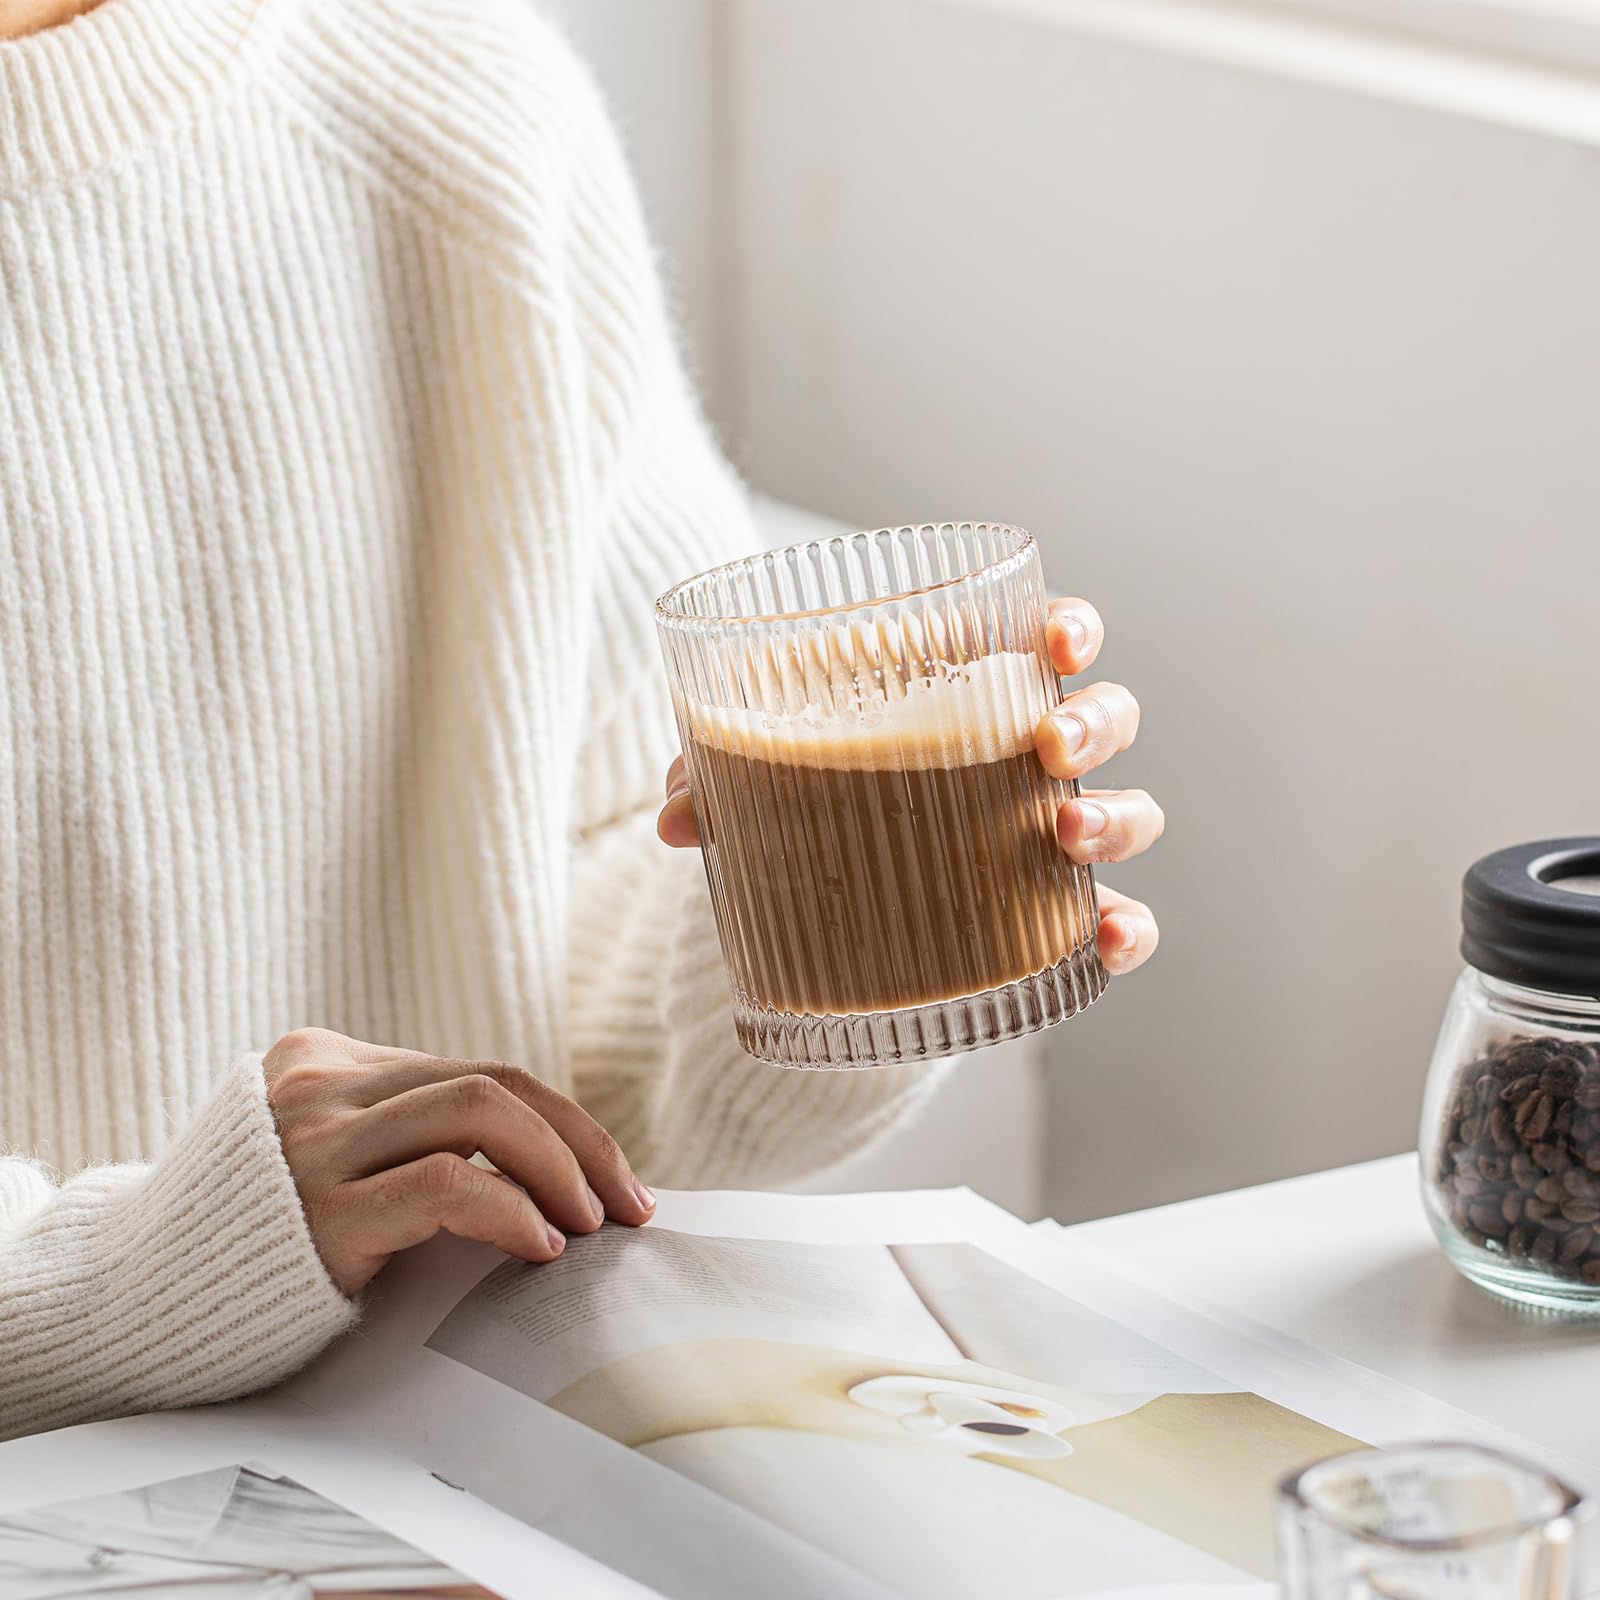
858 719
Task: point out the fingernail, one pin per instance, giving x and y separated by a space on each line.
678 790
1092 819
1077 634
597 1206
646 1199
1071 730
558 1240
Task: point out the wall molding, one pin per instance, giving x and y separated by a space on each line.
1532 67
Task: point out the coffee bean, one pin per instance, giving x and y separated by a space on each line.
1500 1129
1486 1216
1494 1167
1560 1078
1525 1056
1518 1088
1591 1270
1487 1090
1538 1121
1550 1157
1544 1246
1535 1209
1519 1240
1580 1211
1551 1190
1580 1181
1511 1207
1587 1094
1573 1245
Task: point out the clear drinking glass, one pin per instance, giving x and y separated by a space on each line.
857 717
1429 1522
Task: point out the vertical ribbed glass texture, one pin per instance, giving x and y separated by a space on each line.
858 718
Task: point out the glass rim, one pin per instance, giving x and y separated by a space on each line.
1023 546
1573 1504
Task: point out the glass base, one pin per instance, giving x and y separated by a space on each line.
923 1033
1525 1285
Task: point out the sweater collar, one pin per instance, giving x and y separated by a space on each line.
94 90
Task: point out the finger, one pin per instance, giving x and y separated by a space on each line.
1128 934
677 776
462 1116
601 1158
1074 633
677 825
1086 729
407 1205
1109 824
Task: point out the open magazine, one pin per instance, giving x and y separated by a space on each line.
839 1396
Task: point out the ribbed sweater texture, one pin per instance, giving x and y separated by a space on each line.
344 447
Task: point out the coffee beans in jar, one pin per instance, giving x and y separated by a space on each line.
1511 1124
1520 1162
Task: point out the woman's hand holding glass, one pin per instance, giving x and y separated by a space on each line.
1089 727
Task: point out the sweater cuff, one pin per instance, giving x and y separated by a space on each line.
199 1283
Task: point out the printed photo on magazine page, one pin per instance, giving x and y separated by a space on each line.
886 1402
235 1531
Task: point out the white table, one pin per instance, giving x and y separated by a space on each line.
1345 1261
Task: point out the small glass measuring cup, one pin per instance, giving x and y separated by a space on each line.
1434 1521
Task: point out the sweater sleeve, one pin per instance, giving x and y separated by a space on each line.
653 1049
134 1288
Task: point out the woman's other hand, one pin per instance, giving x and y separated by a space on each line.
380 1141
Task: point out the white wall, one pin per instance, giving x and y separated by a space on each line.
1301 386
1300 383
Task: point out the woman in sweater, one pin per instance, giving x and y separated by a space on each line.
343 449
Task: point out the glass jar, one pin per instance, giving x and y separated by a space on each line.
1510 1141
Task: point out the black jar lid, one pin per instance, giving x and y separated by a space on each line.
1531 915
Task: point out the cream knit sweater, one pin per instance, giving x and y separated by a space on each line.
343 449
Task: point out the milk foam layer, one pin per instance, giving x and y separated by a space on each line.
974 712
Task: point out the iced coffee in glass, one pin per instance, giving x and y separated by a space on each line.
858 717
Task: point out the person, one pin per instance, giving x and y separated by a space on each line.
344 447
